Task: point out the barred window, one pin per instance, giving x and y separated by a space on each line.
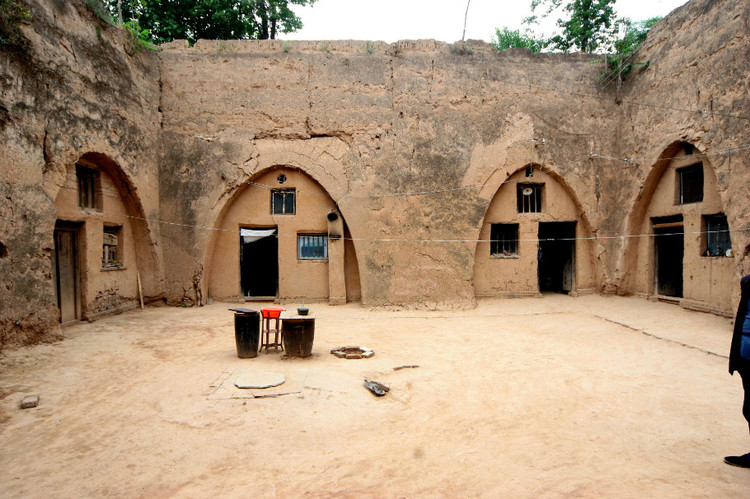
690 184
283 202
312 246
717 239
504 239
529 197
88 187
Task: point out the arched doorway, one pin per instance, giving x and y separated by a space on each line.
102 247
684 253
281 237
533 239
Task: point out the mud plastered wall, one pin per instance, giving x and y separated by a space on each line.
77 87
696 89
404 138
412 141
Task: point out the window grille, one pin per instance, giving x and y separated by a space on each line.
283 202
717 237
529 197
504 239
312 246
87 187
690 184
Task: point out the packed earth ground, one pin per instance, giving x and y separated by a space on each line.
538 397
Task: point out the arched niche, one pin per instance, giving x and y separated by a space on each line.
105 260
534 238
681 249
268 243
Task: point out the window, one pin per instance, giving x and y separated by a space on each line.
529 197
312 246
717 240
690 184
88 187
112 247
504 240
283 202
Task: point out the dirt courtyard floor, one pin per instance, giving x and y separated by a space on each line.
552 397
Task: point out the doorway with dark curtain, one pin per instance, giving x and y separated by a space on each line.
259 262
556 257
669 249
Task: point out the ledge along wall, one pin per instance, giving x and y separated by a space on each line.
410 143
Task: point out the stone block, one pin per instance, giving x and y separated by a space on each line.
30 401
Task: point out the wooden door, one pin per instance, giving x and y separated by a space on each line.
66 269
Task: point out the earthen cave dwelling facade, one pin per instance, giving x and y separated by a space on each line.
413 174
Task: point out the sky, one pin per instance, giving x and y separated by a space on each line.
443 20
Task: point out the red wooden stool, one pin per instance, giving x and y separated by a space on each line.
270 324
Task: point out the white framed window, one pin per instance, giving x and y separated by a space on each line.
312 246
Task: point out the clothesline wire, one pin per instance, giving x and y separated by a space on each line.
411 240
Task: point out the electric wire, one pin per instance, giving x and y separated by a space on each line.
434 240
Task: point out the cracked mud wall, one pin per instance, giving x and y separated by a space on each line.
78 87
696 89
412 141
419 128
427 132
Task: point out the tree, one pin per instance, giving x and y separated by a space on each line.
13 13
591 26
635 34
508 39
168 20
621 62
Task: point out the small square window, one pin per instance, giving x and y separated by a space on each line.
504 239
88 187
312 246
112 247
529 197
283 202
690 184
717 241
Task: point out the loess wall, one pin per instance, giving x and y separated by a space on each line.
414 144
404 138
77 87
414 140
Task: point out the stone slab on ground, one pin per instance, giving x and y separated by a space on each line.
225 387
30 401
258 379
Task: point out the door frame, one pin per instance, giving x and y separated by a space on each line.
74 229
568 270
241 258
664 227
